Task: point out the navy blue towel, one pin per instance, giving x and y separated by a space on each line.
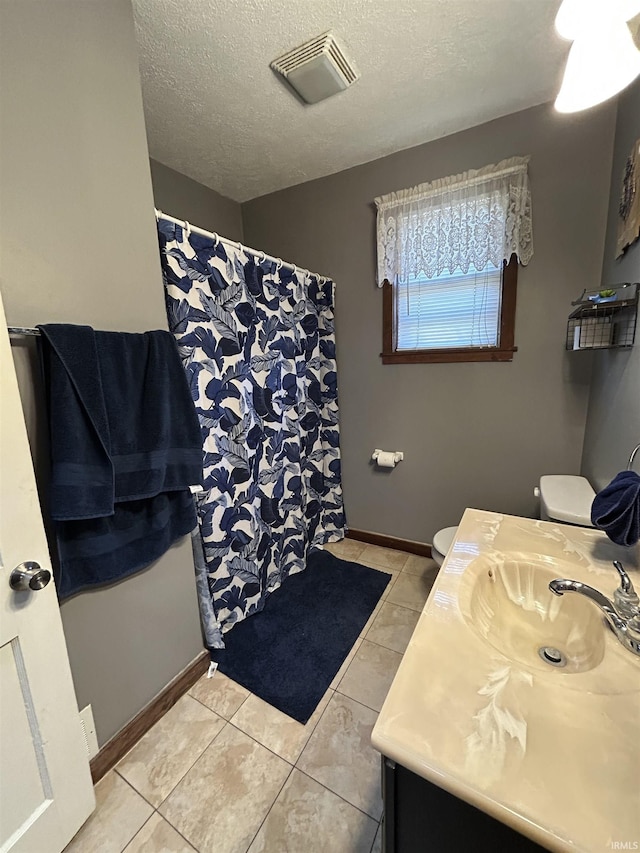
125 447
616 509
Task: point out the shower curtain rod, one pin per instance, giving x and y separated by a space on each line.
236 245
25 330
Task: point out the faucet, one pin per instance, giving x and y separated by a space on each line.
623 617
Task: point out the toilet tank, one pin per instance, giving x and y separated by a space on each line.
566 498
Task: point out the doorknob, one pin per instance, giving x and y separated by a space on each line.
29 575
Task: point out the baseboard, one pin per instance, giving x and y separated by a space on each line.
118 746
420 548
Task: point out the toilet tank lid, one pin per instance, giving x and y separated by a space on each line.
567 498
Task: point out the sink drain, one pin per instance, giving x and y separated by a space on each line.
552 656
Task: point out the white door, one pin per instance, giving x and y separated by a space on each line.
45 785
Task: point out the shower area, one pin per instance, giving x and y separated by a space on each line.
256 338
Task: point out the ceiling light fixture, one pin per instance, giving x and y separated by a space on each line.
603 59
582 17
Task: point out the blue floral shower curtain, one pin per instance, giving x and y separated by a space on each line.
258 345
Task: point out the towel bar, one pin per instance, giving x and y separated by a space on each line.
22 330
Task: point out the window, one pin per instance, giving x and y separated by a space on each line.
448 255
459 317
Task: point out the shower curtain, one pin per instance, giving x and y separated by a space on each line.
258 345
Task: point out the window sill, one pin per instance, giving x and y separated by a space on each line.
445 356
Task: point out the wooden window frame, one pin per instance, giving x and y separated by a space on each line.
504 352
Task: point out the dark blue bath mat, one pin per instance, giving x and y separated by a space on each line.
289 653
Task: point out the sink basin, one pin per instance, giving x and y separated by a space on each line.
507 601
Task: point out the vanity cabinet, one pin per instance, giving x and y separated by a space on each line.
419 817
473 712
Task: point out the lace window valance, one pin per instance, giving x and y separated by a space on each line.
454 223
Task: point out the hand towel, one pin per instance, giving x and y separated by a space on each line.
616 509
125 447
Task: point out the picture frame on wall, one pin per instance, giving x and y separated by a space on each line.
629 207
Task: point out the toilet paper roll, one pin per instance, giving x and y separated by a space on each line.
386 459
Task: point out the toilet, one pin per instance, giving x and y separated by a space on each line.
563 497
442 541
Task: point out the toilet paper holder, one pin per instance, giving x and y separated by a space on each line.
397 456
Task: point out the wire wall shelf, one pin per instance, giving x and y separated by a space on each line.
604 321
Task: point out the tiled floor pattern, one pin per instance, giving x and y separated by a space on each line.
223 772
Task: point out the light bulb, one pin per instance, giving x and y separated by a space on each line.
577 18
599 66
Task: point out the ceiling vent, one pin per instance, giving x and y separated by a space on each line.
317 69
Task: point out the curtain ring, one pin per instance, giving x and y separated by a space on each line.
187 228
262 259
279 264
216 239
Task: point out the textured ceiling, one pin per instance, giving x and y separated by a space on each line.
216 112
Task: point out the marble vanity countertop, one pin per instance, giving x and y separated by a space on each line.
553 753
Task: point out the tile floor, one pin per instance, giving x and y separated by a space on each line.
223 772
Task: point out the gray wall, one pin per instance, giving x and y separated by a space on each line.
180 196
613 421
475 435
78 245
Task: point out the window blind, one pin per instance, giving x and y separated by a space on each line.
459 310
